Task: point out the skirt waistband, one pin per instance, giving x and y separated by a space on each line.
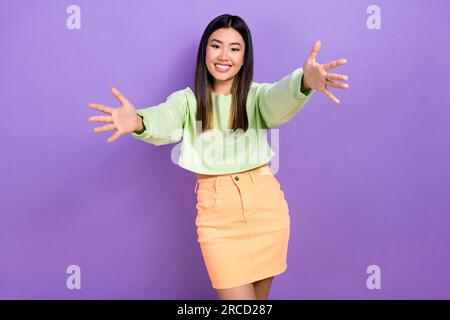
261 170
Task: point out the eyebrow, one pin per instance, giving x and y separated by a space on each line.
230 43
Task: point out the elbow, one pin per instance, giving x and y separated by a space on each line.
159 141
273 122
276 123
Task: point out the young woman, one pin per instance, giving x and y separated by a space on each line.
242 215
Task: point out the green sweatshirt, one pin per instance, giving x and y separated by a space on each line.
222 150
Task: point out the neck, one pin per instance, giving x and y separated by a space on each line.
223 86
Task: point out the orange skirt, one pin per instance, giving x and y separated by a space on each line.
243 227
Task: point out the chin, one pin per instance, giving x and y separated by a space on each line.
222 76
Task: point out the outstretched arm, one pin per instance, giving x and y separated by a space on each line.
157 125
278 102
163 124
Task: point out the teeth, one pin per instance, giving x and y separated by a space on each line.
223 67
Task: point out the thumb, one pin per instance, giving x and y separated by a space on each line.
315 50
118 95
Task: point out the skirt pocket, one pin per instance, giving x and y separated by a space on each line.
205 200
271 190
206 203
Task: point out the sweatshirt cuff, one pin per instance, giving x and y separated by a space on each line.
148 126
296 83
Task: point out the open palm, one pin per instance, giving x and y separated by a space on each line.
316 76
123 119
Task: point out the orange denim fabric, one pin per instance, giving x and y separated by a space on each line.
243 226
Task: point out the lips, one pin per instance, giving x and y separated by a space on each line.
222 67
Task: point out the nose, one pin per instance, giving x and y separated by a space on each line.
223 56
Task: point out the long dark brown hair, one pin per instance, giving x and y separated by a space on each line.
241 83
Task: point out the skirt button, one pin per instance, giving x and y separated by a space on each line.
236 178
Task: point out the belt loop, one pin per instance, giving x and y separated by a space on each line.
251 177
196 185
267 170
215 184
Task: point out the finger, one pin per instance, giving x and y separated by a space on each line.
335 76
118 95
101 107
315 50
334 64
337 84
101 118
114 137
105 128
331 96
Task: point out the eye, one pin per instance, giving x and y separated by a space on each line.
214 46
235 49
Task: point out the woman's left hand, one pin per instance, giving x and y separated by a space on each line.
316 76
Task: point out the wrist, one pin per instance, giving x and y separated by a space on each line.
304 88
139 124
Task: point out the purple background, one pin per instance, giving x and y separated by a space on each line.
367 181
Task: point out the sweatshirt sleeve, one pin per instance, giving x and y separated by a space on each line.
278 102
164 123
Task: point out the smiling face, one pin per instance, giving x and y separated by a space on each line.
224 57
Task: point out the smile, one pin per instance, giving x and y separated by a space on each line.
222 67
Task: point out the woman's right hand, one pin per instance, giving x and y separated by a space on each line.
123 119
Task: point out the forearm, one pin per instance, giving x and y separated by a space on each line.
278 102
163 124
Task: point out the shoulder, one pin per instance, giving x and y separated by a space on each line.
191 92
182 95
182 92
184 98
186 93
254 85
254 88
